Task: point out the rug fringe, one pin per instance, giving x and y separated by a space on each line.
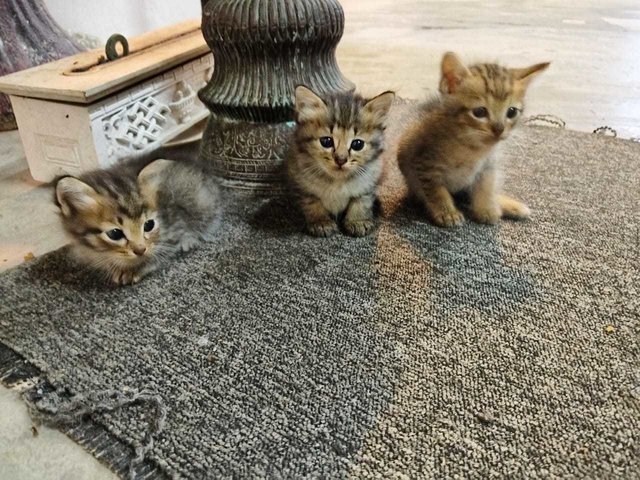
57 411
545 119
18 374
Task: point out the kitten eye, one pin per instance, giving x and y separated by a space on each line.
326 142
480 112
357 145
115 234
512 112
149 225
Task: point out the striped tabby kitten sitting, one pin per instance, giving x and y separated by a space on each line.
452 148
334 163
127 224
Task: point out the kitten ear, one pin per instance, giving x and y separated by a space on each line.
308 105
150 177
453 73
74 195
525 75
377 108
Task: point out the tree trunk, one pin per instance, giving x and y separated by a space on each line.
28 37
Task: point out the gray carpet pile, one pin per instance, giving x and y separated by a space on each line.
418 352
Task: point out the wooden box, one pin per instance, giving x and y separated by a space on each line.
79 113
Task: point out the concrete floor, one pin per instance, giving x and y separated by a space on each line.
594 80
38 453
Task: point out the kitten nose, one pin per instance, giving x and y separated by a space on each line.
497 129
139 250
340 160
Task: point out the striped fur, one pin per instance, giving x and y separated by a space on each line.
452 148
329 183
178 198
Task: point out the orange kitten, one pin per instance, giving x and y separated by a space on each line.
452 148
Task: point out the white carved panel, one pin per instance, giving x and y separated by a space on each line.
184 102
135 127
56 137
150 113
62 138
60 151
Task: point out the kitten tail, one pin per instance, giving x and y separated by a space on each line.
511 208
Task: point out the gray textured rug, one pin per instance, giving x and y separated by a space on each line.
417 352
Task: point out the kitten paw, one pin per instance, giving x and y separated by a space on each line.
359 228
188 243
448 218
125 278
323 229
488 214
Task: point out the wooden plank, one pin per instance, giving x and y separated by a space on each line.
151 53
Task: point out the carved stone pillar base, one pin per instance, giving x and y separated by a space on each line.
263 49
246 155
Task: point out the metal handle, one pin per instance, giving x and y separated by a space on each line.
112 42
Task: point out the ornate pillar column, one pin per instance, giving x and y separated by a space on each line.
262 50
28 37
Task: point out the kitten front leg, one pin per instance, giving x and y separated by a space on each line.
131 277
484 201
441 207
319 221
359 217
125 277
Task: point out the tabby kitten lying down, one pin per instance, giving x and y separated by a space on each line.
334 163
127 224
452 148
